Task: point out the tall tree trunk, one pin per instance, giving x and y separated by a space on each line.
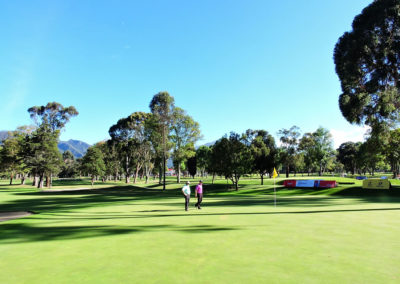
136 174
11 178
127 171
41 180
146 173
35 180
160 174
47 181
262 179
164 169
23 178
287 171
213 178
395 170
179 174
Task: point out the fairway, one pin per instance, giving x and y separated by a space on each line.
128 234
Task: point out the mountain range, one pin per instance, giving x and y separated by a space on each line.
76 147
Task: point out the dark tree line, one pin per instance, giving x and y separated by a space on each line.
371 155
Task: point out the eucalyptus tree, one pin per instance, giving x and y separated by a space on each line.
162 107
93 162
41 154
203 156
371 153
322 148
298 163
54 115
392 152
306 145
111 159
69 167
11 155
367 62
347 154
148 148
317 148
44 157
289 145
232 157
156 142
185 132
130 137
263 150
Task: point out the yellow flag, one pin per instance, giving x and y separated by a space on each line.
275 174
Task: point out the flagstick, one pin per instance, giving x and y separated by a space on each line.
274 194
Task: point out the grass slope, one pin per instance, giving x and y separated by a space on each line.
133 234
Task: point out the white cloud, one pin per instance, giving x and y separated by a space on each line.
352 133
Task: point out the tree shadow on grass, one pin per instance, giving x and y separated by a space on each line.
42 202
368 193
22 232
269 213
67 200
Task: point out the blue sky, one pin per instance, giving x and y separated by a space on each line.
232 65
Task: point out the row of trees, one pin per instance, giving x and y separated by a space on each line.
137 147
255 151
141 143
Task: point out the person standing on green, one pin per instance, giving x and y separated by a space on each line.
186 193
199 194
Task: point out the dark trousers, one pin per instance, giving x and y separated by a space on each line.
187 198
199 200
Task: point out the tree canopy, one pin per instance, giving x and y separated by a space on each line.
367 62
289 139
232 158
53 114
162 107
185 132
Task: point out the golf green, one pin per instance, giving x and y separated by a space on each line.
130 234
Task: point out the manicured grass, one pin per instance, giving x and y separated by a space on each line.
139 234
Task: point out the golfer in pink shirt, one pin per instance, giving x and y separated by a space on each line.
199 194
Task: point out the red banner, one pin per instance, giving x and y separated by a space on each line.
289 183
327 184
